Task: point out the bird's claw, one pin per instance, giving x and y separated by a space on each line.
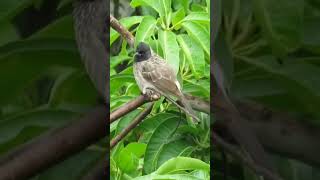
152 95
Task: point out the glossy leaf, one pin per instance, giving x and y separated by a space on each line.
8 33
182 163
170 49
194 54
200 34
145 29
201 17
158 140
177 17
163 7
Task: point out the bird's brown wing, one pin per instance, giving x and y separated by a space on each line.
157 72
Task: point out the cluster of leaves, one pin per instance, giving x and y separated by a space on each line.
41 74
269 52
161 147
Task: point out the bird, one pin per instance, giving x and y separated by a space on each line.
153 73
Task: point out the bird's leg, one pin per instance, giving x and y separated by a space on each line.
152 94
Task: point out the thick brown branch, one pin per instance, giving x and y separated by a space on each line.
116 25
131 126
234 151
240 130
128 107
198 103
55 146
277 131
281 133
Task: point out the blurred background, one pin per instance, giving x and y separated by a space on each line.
269 51
43 82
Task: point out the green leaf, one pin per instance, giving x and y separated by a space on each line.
119 100
8 9
178 4
46 118
60 28
8 33
66 92
173 149
182 164
158 140
33 59
38 45
163 7
281 23
223 65
63 3
145 29
200 34
120 80
168 177
155 45
127 161
137 149
193 53
198 7
127 22
116 60
177 17
170 48
295 78
197 87
201 17
311 37
208 5
151 123
124 121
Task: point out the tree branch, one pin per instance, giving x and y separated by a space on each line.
260 170
277 131
240 130
54 146
128 107
131 126
116 25
198 103
281 133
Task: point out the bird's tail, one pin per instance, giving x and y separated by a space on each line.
188 108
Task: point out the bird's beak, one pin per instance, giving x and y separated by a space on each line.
137 53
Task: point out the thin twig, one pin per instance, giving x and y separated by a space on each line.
131 126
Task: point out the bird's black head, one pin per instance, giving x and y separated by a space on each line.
143 52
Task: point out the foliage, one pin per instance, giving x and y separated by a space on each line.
269 51
177 30
41 74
